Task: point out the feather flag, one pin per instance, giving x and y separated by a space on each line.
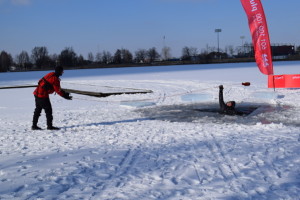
260 35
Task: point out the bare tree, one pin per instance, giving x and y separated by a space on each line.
98 57
188 53
211 49
40 56
141 55
106 57
55 59
118 56
122 56
23 60
91 57
193 51
185 53
80 60
298 50
229 49
126 56
68 57
166 53
5 61
152 54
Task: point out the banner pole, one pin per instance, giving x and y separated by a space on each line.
273 83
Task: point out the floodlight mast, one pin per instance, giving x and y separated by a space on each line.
218 30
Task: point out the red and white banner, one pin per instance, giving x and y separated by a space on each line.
284 81
260 35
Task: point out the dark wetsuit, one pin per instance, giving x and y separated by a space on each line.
227 110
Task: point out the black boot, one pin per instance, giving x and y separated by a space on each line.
35 127
53 128
35 120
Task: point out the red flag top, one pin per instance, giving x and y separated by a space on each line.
260 35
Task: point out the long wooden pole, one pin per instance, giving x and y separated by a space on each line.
88 93
17 86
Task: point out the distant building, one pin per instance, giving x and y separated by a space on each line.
283 50
279 51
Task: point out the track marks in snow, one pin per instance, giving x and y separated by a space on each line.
120 175
226 167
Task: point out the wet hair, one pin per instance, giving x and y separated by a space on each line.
232 103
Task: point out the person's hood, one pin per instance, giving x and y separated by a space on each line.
233 104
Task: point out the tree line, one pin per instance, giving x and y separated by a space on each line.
40 59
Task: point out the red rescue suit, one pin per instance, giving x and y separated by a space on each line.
53 85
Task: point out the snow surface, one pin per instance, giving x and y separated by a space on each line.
157 145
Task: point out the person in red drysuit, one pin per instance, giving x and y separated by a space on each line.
49 84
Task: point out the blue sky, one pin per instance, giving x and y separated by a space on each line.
97 25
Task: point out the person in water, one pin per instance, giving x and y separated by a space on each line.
227 108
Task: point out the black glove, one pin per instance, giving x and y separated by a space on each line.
221 87
67 96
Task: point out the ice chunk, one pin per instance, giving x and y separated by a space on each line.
137 104
196 97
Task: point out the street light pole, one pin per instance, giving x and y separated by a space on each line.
218 31
243 48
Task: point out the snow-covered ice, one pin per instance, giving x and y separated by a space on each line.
157 145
